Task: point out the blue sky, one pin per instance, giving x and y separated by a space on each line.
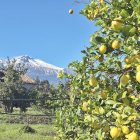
43 29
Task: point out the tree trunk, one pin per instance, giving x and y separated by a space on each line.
8 107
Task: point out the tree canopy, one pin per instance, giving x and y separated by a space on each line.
107 81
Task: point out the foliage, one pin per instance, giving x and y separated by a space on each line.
48 97
12 86
107 81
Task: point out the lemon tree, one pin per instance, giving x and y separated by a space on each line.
105 88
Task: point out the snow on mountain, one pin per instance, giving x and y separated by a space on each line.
39 69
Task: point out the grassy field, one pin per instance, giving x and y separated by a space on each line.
28 116
14 132
30 110
11 126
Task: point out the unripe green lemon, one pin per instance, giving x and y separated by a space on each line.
101 58
106 128
129 89
104 95
124 79
95 125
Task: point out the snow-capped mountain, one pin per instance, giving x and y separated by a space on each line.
39 69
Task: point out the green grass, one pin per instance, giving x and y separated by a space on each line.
23 117
30 110
12 132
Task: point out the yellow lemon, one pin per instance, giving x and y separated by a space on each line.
138 68
138 76
119 130
128 76
102 49
132 96
116 44
93 81
85 106
128 60
104 95
125 130
101 1
124 79
133 136
116 24
115 132
101 138
126 66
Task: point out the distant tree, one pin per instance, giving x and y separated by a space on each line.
37 80
40 93
22 104
48 97
12 86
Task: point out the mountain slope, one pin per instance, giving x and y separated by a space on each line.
38 69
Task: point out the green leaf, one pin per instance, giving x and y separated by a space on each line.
124 13
99 23
90 50
99 133
84 52
132 31
99 39
101 110
111 102
124 94
137 9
